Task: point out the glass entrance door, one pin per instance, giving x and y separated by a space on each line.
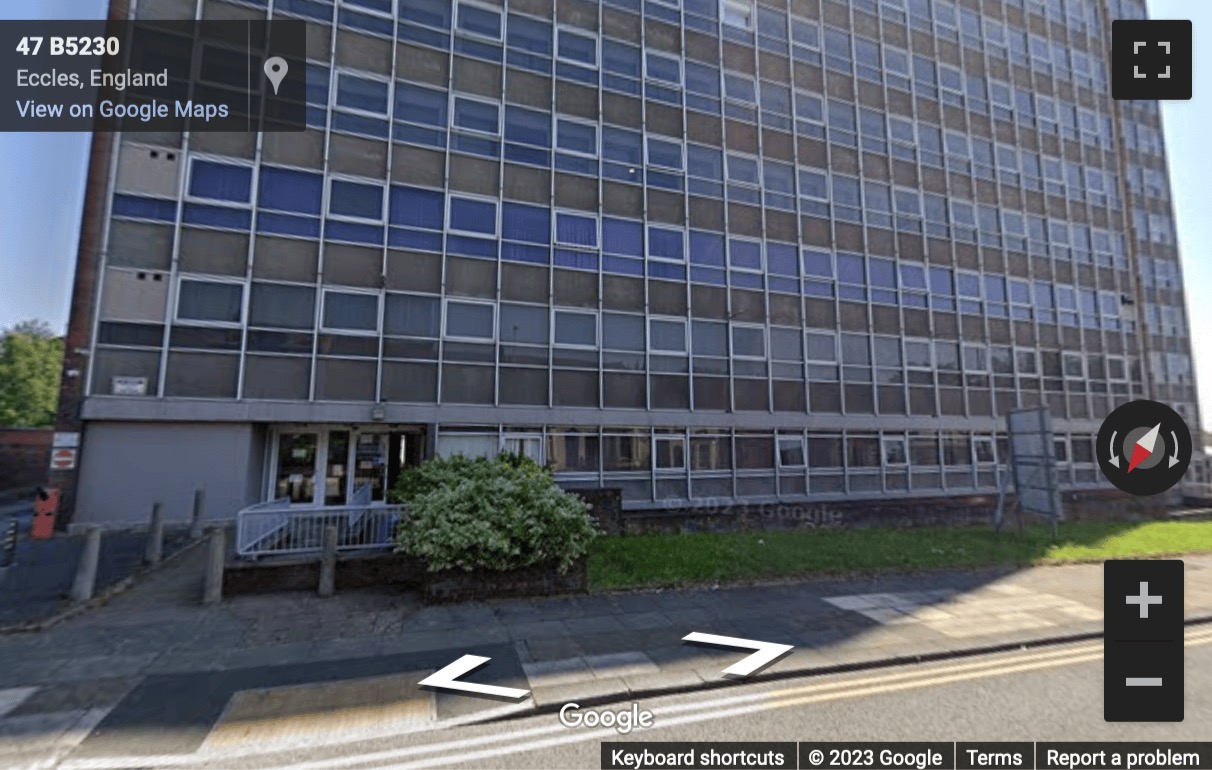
370 465
340 466
296 472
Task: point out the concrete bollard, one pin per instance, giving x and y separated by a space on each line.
216 555
195 523
155 536
328 562
86 569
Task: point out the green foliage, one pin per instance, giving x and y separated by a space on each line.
30 362
498 513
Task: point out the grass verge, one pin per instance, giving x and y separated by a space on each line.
683 559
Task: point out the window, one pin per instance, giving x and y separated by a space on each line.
349 311
666 244
667 336
361 94
749 342
576 230
577 48
283 307
575 328
474 115
1074 366
288 190
528 126
984 449
896 451
664 153
792 452
416 207
219 181
524 324
621 331
415 104
475 20
469 320
581 138
670 452
470 215
356 200
412 315
210 301
737 13
667 69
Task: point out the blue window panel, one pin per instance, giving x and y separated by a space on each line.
706 248
621 236
667 271
471 247
623 146
473 216
705 162
144 208
578 48
746 254
220 181
359 124
317 117
627 5
418 135
289 190
576 164
622 265
818 289
663 94
528 126
526 34
663 12
579 260
664 153
414 207
745 280
217 216
781 259
706 189
432 13
818 263
285 224
479 50
666 244
882 273
574 230
623 172
701 79
913 277
363 21
621 59
308 8
477 116
474 145
530 155
479 21
995 288
576 137
361 93
702 104
621 84
353 233
383 6
517 252
941 281
665 181
664 68
708 275
417 240
429 37
586 75
531 224
352 199
784 285
528 61
317 84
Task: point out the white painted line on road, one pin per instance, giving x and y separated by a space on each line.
14 697
1143 681
890 681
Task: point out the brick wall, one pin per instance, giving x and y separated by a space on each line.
24 457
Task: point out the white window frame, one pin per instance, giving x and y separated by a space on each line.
652 349
246 290
224 160
648 162
929 344
597 229
327 208
496 233
885 441
669 260
448 301
732 342
808 359
761 268
597 47
780 439
732 11
523 438
476 35
597 328
1034 354
964 347
453 126
986 441
336 84
378 295
670 438
1066 357
670 58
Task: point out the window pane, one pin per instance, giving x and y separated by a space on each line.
668 335
351 311
201 301
287 307
622 332
467 320
220 181
356 200
524 323
362 94
576 329
411 315
473 215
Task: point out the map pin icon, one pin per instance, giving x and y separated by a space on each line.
276 69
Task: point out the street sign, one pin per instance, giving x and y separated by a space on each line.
71 440
63 459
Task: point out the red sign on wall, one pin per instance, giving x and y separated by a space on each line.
63 459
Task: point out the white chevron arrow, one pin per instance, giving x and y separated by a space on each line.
444 679
767 652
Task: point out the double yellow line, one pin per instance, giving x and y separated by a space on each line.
900 680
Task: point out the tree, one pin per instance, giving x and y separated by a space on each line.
30 361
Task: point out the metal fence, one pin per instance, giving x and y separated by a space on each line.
279 528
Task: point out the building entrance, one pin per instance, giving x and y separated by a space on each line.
346 465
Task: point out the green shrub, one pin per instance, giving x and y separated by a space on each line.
498 513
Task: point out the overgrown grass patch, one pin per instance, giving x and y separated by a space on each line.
683 559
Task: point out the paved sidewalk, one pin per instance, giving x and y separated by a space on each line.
113 667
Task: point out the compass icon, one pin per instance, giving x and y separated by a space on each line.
1144 447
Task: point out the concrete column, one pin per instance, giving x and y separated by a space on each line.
195 523
216 556
328 562
155 536
86 568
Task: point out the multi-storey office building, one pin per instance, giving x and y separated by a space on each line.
694 249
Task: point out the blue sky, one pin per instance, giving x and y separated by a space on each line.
43 187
